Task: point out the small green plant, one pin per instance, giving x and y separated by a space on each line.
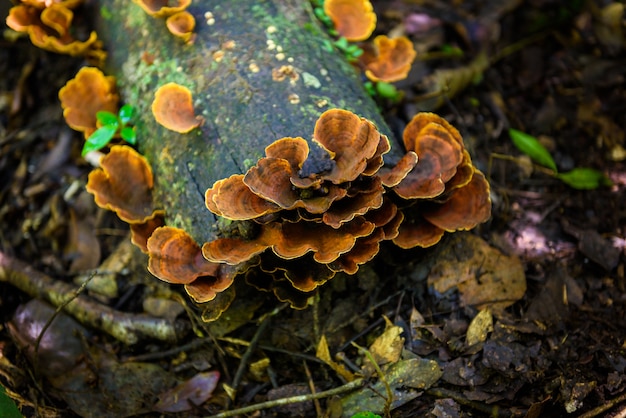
111 125
579 178
8 409
365 415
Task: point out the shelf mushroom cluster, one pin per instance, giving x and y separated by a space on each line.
48 24
310 218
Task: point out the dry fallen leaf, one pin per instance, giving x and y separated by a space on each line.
483 275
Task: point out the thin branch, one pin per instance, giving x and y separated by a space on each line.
294 399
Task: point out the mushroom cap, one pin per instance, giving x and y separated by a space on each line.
41 4
176 258
351 141
49 28
415 231
140 232
360 203
123 184
181 24
89 92
161 8
355 20
290 240
232 199
439 156
394 175
390 59
271 178
467 206
173 108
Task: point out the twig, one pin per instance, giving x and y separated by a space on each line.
294 399
127 328
605 407
318 408
248 353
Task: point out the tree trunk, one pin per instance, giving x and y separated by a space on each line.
233 68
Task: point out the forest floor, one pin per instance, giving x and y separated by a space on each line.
549 341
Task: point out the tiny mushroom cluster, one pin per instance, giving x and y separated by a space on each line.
311 218
178 20
48 24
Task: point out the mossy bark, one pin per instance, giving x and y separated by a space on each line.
229 68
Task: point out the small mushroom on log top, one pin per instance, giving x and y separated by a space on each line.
173 108
388 59
355 20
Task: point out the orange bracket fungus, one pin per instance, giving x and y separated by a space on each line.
85 95
173 108
162 8
48 26
388 59
302 226
355 20
176 258
181 24
123 184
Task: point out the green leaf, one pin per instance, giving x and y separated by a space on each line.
584 178
126 113
106 118
365 415
7 406
128 134
99 138
530 146
387 90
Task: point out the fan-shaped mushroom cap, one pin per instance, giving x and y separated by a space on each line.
173 108
140 232
270 179
49 28
355 20
289 241
364 250
420 121
176 258
162 8
394 175
232 199
390 60
85 95
123 184
417 232
41 4
360 203
439 156
181 24
467 206
376 162
350 140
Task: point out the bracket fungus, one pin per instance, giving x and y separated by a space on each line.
48 25
302 226
176 258
388 59
173 108
355 20
89 92
181 24
162 8
123 184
